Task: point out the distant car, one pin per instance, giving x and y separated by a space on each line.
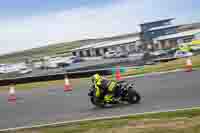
63 64
182 54
52 65
2 68
116 54
25 71
122 54
77 59
195 48
2 71
110 54
158 53
150 63
38 64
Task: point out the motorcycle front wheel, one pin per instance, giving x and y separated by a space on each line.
133 96
97 102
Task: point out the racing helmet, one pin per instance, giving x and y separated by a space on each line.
96 78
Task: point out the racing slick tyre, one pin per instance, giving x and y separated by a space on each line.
133 96
96 102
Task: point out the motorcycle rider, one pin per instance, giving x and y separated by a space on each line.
105 88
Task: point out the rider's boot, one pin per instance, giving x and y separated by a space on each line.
108 99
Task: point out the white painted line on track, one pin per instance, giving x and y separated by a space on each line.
153 73
93 119
158 73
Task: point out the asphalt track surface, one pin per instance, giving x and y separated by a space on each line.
159 93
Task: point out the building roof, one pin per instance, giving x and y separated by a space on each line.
163 27
157 21
113 43
89 46
108 43
190 26
177 35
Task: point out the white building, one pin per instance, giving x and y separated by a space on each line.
171 41
129 44
161 34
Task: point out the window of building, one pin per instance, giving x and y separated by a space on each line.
74 53
98 52
179 41
144 27
186 40
81 53
88 53
169 31
105 50
197 36
166 23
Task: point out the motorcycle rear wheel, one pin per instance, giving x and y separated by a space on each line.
133 96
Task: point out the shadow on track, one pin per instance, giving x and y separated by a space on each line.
115 106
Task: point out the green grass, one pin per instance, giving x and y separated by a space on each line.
76 83
172 65
175 122
37 53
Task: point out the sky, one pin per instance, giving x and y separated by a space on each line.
28 24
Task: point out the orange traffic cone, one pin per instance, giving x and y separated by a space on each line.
67 86
12 96
188 65
118 74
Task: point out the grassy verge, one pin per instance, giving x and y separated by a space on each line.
78 83
173 122
172 65
37 53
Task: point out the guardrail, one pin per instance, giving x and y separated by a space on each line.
71 74
58 76
165 59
